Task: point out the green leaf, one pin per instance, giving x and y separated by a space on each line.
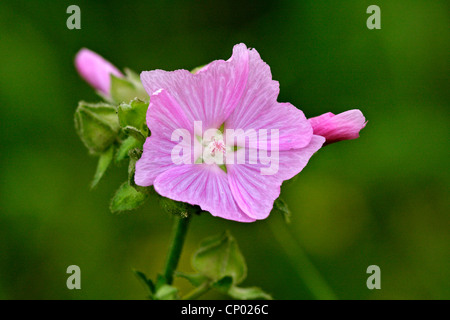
195 279
127 145
132 116
97 125
127 198
166 292
219 257
103 163
146 281
252 293
280 207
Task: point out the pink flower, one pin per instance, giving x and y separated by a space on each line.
96 70
334 128
235 94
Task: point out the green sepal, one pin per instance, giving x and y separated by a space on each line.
127 145
97 125
219 257
132 117
127 198
135 133
134 155
104 162
281 207
135 79
173 207
126 89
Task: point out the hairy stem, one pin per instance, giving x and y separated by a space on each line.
179 235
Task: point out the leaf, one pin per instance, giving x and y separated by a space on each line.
127 144
280 207
219 257
97 125
253 293
132 116
103 163
147 282
195 279
166 292
127 198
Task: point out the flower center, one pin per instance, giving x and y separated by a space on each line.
214 149
216 146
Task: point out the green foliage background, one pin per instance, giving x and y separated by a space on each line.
382 199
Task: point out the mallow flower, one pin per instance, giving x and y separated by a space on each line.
96 70
221 140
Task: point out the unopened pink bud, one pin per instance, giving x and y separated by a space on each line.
96 70
334 128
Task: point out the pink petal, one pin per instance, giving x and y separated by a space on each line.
260 94
155 160
209 96
259 109
254 192
294 130
344 126
316 121
165 115
203 185
96 70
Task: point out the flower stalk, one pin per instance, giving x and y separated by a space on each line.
179 235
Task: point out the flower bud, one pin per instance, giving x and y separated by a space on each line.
97 125
96 70
334 128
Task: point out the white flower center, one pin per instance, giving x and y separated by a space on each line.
214 149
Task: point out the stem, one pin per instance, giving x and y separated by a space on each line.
179 235
197 292
312 278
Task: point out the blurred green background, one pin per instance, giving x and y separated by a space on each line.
382 199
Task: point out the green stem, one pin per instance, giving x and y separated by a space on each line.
312 278
179 235
197 292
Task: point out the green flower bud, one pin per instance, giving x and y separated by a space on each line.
97 125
